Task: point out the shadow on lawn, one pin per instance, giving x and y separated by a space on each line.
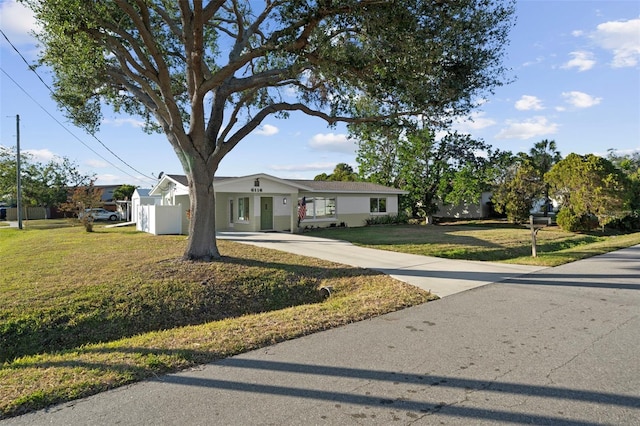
163 302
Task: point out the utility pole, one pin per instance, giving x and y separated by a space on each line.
18 172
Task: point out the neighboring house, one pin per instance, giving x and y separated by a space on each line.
262 202
477 210
108 202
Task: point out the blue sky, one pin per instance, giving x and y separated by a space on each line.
576 70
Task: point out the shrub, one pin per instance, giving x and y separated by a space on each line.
630 222
392 219
568 220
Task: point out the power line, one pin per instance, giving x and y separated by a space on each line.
63 126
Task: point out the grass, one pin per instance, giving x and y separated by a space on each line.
85 312
483 241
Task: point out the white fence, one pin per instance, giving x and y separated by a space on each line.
159 220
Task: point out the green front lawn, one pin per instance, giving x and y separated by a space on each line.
85 312
484 241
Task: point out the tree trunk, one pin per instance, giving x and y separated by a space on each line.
202 224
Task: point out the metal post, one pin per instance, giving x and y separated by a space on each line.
534 248
18 173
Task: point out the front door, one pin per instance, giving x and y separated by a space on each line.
266 213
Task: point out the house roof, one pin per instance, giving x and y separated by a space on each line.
305 185
338 186
143 192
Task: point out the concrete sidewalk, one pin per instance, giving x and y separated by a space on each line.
443 277
555 347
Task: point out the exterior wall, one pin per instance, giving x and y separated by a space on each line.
160 220
137 201
222 212
248 185
352 209
281 212
183 202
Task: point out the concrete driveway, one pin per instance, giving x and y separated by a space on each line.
443 277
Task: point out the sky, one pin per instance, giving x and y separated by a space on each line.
575 67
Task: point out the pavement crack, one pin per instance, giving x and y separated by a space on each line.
587 347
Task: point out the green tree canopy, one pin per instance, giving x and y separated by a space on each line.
124 192
407 156
342 172
207 73
43 184
518 187
630 166
544 155
590 185
521 185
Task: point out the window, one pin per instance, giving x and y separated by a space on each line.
320 207
243 209
324 208
378 205
231 211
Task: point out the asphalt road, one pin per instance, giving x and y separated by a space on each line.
559 346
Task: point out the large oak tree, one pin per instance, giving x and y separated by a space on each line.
207 73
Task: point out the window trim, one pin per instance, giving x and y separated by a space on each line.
247 209
377 205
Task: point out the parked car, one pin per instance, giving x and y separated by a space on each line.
100 214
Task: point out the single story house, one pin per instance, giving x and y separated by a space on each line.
262 202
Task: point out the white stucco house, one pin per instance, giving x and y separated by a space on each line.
262 202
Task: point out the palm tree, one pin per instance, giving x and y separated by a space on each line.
544 155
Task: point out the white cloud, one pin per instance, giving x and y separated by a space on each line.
17 22
582 60
267 130
537 126
333 143
622 38
41 155
476 121
529 103
118 122
303 167
536 61
580 99
109 179
96 164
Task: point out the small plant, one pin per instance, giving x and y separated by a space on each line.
87 221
